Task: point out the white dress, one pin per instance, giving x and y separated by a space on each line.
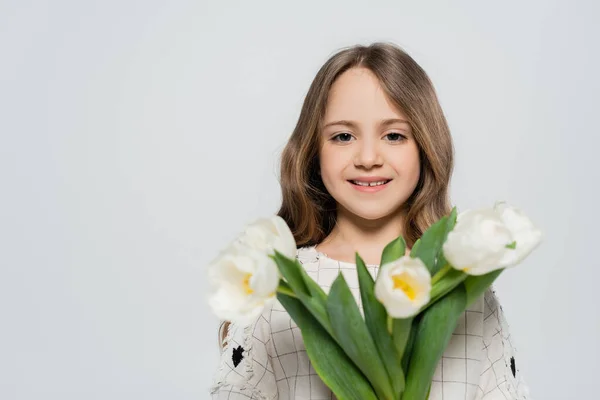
267 359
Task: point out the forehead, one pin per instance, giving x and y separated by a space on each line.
357 94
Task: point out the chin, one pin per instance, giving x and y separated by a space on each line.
371 215
373 211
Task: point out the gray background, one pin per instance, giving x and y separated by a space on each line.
137 138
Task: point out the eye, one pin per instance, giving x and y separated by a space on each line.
340 137
396 137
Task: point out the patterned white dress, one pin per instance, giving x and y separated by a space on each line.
267 360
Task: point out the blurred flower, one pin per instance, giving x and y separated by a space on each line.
243 281
244 278
268 234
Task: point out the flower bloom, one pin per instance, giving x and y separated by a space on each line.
268 234
403 286
243 282
526 235
487 239
244 278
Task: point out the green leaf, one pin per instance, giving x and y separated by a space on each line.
410 343
314 289
393 250
433 335
352 334
330 362
428 391
376 320
415 248
445 285
290 271
318 310
400 334
285 288
297 278
303 287
431 244
451 220
450 224
477 285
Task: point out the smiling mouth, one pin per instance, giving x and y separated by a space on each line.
369 184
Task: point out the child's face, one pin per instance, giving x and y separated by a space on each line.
364 145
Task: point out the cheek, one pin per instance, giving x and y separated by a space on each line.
408 163
332 164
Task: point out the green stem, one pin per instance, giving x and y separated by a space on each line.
286 290
441 273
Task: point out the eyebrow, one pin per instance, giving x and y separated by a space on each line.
352 124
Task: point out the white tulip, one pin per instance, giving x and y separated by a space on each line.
481 239
478 242
403 286
244 281
525 234
268 234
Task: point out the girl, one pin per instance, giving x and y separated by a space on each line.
370 159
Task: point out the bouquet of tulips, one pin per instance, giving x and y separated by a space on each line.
389 349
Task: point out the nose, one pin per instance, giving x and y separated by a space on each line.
368 154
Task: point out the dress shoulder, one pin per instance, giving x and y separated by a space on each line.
501 377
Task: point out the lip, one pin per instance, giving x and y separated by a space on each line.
370 179
371 189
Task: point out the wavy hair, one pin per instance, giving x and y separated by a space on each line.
307 207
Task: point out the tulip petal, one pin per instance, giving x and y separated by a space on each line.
269 234
287 242
403 286
243 281
477 243
525 234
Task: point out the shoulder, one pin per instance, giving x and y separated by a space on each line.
492 309
500 373
496 327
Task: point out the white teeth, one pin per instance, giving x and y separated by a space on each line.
369 184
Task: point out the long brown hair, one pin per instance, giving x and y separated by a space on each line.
307 207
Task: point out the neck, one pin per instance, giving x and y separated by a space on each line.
367 237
